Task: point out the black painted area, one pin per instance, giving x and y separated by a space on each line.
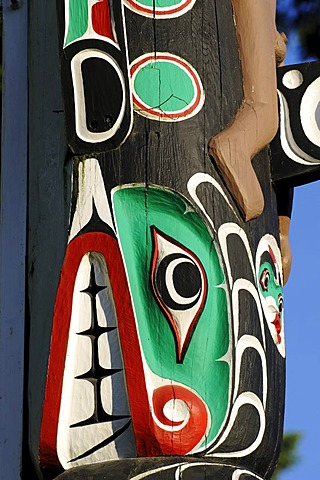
247 303
103 94
251 374
186 280
156 469
245 428
284 200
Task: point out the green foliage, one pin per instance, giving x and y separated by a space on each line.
302 16
288 456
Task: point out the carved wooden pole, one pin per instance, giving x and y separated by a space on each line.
156 311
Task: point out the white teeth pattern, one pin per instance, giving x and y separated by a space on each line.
78 395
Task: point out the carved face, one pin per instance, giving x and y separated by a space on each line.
269 277
272 292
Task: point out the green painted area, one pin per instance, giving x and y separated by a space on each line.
136 210
78 20
160 3
164 85
273 288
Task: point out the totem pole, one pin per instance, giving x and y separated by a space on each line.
154 299
167 342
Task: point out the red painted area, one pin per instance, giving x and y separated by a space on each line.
277 323
141 417
168 12
151 439
152 57
264 279
272 255
182 440
101 19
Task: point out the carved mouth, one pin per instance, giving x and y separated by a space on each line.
277 323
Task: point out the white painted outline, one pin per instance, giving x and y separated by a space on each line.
181 467
156 470
309 103
245 342
288 144
243 284
238 473
150 12
162 115
79 98
246 398
91 189
224 231
192 185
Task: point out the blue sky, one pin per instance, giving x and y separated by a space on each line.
302 320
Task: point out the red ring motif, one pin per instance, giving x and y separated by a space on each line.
179 441
160 12
174 59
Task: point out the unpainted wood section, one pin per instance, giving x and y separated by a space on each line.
48 205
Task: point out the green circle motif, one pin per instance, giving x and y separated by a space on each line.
164 85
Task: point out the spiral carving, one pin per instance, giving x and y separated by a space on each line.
181 419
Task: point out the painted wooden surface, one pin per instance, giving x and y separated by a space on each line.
13 237
124 332
296 148
160 468
120 196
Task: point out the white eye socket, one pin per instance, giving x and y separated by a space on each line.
179 284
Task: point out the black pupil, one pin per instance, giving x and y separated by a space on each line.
187 279
280 305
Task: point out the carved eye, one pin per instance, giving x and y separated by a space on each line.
281 304
178 281
264 280
180 286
